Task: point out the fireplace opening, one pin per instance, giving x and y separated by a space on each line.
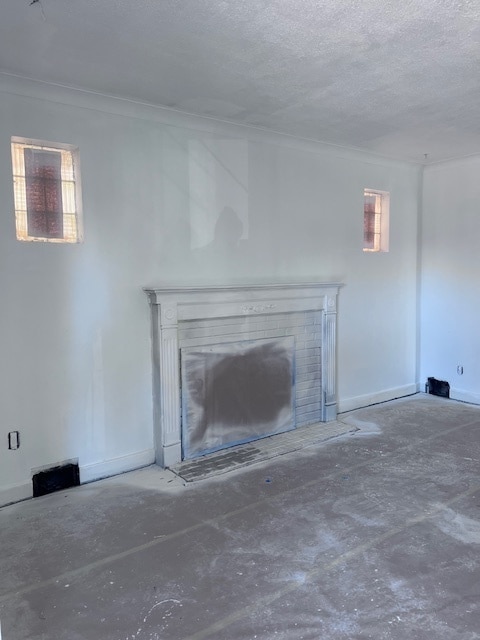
236 392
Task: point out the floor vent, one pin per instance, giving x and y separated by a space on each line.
55 479
438 387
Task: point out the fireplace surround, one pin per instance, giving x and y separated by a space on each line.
220 318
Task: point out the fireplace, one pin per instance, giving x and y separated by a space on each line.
233 364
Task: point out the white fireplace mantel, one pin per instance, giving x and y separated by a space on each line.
170 306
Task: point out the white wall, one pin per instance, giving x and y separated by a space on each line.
74 326
450 309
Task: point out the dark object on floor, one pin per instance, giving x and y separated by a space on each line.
438 387
55 479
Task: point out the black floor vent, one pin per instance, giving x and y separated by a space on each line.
438 387
55 479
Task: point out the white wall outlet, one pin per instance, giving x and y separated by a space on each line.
13 440
460 370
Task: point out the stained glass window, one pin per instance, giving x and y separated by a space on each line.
375 220
46 185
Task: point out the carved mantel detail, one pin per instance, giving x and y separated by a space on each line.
258 308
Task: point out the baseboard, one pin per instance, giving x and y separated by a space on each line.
464 396
357 402
15 493
98 470
88 473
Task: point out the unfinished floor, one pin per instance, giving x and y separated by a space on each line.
374 534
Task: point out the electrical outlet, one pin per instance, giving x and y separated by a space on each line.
460 370
14 440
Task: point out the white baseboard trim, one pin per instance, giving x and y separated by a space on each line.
88 473
357 402
464 396
98 470
15 493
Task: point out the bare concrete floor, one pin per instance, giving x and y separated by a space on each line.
371 535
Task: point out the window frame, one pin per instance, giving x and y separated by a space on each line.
70 184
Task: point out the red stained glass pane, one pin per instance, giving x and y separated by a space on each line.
44 193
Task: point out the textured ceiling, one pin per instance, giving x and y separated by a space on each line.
399 78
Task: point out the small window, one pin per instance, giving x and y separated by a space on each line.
46 189
376 206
